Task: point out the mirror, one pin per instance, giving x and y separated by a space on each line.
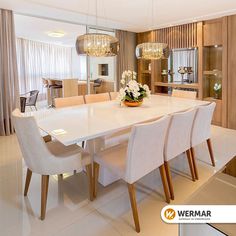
183 65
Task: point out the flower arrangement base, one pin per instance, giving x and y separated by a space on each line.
133 104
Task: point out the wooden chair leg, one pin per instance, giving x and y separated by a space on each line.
190 164
133 203
90 180
169 180
194 162
164 183
47 138
95 178
211 152
27 181
44 195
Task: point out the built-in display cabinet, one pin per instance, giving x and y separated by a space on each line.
214 42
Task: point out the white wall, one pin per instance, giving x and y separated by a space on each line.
94 67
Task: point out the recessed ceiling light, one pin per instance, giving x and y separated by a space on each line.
56 34
216 46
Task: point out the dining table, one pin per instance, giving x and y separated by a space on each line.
89 122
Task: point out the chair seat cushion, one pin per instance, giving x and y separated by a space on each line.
72 151
114 159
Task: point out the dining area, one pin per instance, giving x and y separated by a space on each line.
111 144
116 120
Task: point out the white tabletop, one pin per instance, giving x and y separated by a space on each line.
90 121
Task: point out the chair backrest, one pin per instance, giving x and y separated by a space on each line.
100 97
114 95
68 101
184 94
98 81
202 124
179 134
33 97
34 150
145 149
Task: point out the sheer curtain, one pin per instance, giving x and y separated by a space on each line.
38 60
9 89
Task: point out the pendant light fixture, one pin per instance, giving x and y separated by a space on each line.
97 44
152 50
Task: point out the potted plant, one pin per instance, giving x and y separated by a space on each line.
217 88
132 93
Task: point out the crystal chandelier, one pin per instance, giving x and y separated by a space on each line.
153 50
97 44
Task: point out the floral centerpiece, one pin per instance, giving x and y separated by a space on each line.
217 88
132 93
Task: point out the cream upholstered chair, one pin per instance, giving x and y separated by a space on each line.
113 95
51 158
184 94
93 98
178 141
69 101
202 131
133 161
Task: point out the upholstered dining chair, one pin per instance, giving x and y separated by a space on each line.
184 94
133 161
47 159
113 95
178 142
30 99
93 98
68 101
202 131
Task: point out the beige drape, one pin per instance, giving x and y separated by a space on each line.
9 88
126 59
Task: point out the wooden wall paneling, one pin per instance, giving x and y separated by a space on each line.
225 71
200 58
231 120
212 32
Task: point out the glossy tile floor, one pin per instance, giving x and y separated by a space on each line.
69 212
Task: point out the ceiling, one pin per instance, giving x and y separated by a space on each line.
37 29
132 15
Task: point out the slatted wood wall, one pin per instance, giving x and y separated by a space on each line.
182 36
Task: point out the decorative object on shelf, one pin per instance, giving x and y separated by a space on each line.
189 71
217 88
182 71
97 44
132 93
149 66
164 75
153 50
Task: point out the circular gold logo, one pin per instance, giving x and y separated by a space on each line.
169 214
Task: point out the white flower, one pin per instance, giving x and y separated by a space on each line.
121 95
136 94
217 87
122 81
145 87
133 85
